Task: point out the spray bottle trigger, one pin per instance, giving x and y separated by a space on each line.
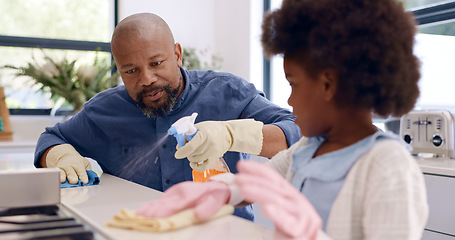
183 128
179 136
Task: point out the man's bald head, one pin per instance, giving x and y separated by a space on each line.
142 24
149 62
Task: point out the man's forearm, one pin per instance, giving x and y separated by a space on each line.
274 140
43 158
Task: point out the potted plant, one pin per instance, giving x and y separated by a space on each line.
196 59
68 80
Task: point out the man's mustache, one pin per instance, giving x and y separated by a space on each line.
149 89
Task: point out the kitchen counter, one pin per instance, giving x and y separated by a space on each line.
17 145
437 166
439 176
97 204
26 131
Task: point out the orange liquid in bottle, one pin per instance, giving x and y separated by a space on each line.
204 175
219 167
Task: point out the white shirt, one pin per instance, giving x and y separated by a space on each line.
383 197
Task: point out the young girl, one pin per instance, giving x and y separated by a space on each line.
344 61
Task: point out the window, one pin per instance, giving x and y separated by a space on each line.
279 88
434 46
75 30
413 4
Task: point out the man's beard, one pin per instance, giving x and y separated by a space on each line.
161 110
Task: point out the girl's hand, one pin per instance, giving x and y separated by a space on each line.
288 208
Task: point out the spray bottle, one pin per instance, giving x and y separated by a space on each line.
184 129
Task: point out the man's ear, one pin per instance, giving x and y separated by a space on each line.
329 80
178 54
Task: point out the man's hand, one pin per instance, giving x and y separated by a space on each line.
72 165
215 138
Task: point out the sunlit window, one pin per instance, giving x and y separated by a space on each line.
411 4
81 20
434 47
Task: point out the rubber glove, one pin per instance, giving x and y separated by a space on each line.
289 210
215 138
72 165
206 199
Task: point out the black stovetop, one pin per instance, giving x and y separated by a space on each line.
44 223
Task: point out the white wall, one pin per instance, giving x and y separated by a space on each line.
221 26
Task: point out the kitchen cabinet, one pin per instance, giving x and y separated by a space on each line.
439 175
436 236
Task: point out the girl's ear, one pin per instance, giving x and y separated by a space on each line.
329 80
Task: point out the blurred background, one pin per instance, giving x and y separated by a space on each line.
223 34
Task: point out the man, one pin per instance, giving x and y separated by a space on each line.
125 128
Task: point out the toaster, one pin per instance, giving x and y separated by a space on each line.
429 132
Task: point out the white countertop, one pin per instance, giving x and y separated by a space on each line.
14 143
438 166
17 145
97 204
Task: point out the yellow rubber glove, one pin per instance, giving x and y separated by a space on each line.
72 165
215 138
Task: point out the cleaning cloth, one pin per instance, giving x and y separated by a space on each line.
93 179
130 220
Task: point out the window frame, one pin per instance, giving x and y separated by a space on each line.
266 63
436 13
51 43
61 44
425 15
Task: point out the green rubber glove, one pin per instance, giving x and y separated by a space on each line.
215 138
72 165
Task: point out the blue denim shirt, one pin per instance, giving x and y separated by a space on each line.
113 131
320 179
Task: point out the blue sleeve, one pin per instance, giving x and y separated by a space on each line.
261 109
243 100
91 131
78 131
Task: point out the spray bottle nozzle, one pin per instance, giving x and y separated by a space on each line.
183 128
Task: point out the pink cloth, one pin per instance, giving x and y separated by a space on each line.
206 199
290 211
